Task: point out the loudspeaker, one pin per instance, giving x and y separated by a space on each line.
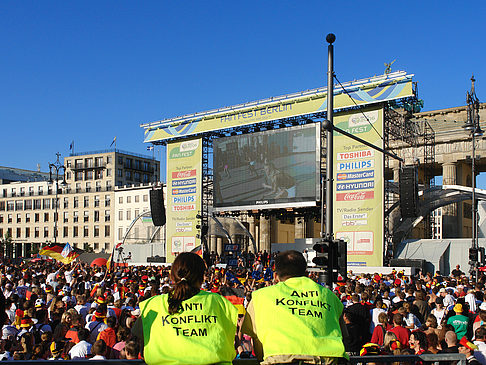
157 208
414 263
156 258
408 190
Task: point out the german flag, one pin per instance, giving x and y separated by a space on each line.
236 296
55 251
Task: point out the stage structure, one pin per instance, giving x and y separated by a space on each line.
269 159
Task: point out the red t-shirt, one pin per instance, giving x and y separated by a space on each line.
403 335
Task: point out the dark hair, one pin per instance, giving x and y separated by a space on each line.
111 322
83 334
99 347
421 337
187 273
132 347
289 264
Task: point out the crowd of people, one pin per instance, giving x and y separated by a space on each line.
56 311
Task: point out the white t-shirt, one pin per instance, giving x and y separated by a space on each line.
80 351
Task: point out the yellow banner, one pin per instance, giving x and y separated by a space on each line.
359 187
184 188
283 107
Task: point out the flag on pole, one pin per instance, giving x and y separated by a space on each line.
150 148
109 263
66 250
71 146
114 140
55 251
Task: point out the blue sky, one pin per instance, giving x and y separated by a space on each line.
91 70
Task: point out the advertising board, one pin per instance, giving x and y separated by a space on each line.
184 186
359 186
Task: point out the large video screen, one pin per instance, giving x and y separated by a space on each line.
270 169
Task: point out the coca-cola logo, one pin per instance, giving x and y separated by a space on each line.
359 195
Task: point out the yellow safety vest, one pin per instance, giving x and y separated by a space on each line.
203 333
298 317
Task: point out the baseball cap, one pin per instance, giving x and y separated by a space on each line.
442 290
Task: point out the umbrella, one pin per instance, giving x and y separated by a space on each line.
100 261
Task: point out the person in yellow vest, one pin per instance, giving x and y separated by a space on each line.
296 321
187 325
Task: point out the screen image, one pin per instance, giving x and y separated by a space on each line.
271 169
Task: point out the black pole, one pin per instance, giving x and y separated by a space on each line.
330 38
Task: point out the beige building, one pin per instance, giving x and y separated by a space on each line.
85 201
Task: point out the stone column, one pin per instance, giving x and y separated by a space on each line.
219 245
449 212
299 223
265 234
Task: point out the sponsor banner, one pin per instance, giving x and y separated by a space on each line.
358 201
368 174
355 165
184 175
182 191
369 91
356 185
184 182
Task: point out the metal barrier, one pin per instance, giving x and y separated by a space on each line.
402 359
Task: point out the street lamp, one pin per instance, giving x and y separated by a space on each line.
472 126
57 168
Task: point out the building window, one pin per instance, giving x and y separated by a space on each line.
98 174
9 218
65 231
79 163
108 186
13 193
136 176
136 213
36 217
68 188
137 198
120 215
96 215
96 231
75 217
120 200
19 205
88 187
129 199
19 233
76 202
107 215
22 191
107 200
66 217
68 175
129 215
75 231
2 206
28 204
96 246
97 201
31 190
86 231
36 232
137 164
145 198
98 186
86 216
120 233
89 175
108 172
66 203
27 217
19 218
1 218
39 190
46 232
108 159
107 231
78 176
37 204
120 172
145 178
78 187
86 201
89 162
128 175
99 161
27 232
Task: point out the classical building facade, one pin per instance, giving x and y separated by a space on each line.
85 201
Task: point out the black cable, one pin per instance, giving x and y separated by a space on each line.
360 109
